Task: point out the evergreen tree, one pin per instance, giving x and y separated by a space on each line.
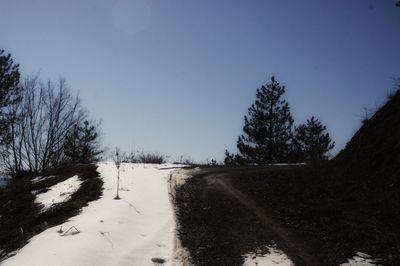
267 128
233 159
72 144
229 158
311 142
9 93
81 144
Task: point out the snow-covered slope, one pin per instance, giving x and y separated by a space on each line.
138 229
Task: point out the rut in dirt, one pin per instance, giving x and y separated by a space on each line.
289 243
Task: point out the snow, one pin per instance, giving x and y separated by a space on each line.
179 177
169 166
274 257
40 178
58 193
361 259
138 229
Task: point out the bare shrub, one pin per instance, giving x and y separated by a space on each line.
151 158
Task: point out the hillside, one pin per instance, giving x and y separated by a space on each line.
374 151
24 204
342 212
323 214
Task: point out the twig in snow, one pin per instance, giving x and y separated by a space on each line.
72 227
60 230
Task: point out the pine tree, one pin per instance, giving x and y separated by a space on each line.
311 142
72 144
267 128
81 144
229 158
9 93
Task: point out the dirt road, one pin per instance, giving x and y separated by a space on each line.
220 223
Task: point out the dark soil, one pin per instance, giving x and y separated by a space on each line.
336 222
218 229
20 216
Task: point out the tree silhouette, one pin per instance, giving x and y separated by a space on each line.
81 144
9 93
267 129
311 142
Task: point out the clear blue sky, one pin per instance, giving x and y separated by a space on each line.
177 77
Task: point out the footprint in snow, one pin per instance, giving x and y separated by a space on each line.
158 261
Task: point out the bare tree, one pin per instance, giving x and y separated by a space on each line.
42 121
